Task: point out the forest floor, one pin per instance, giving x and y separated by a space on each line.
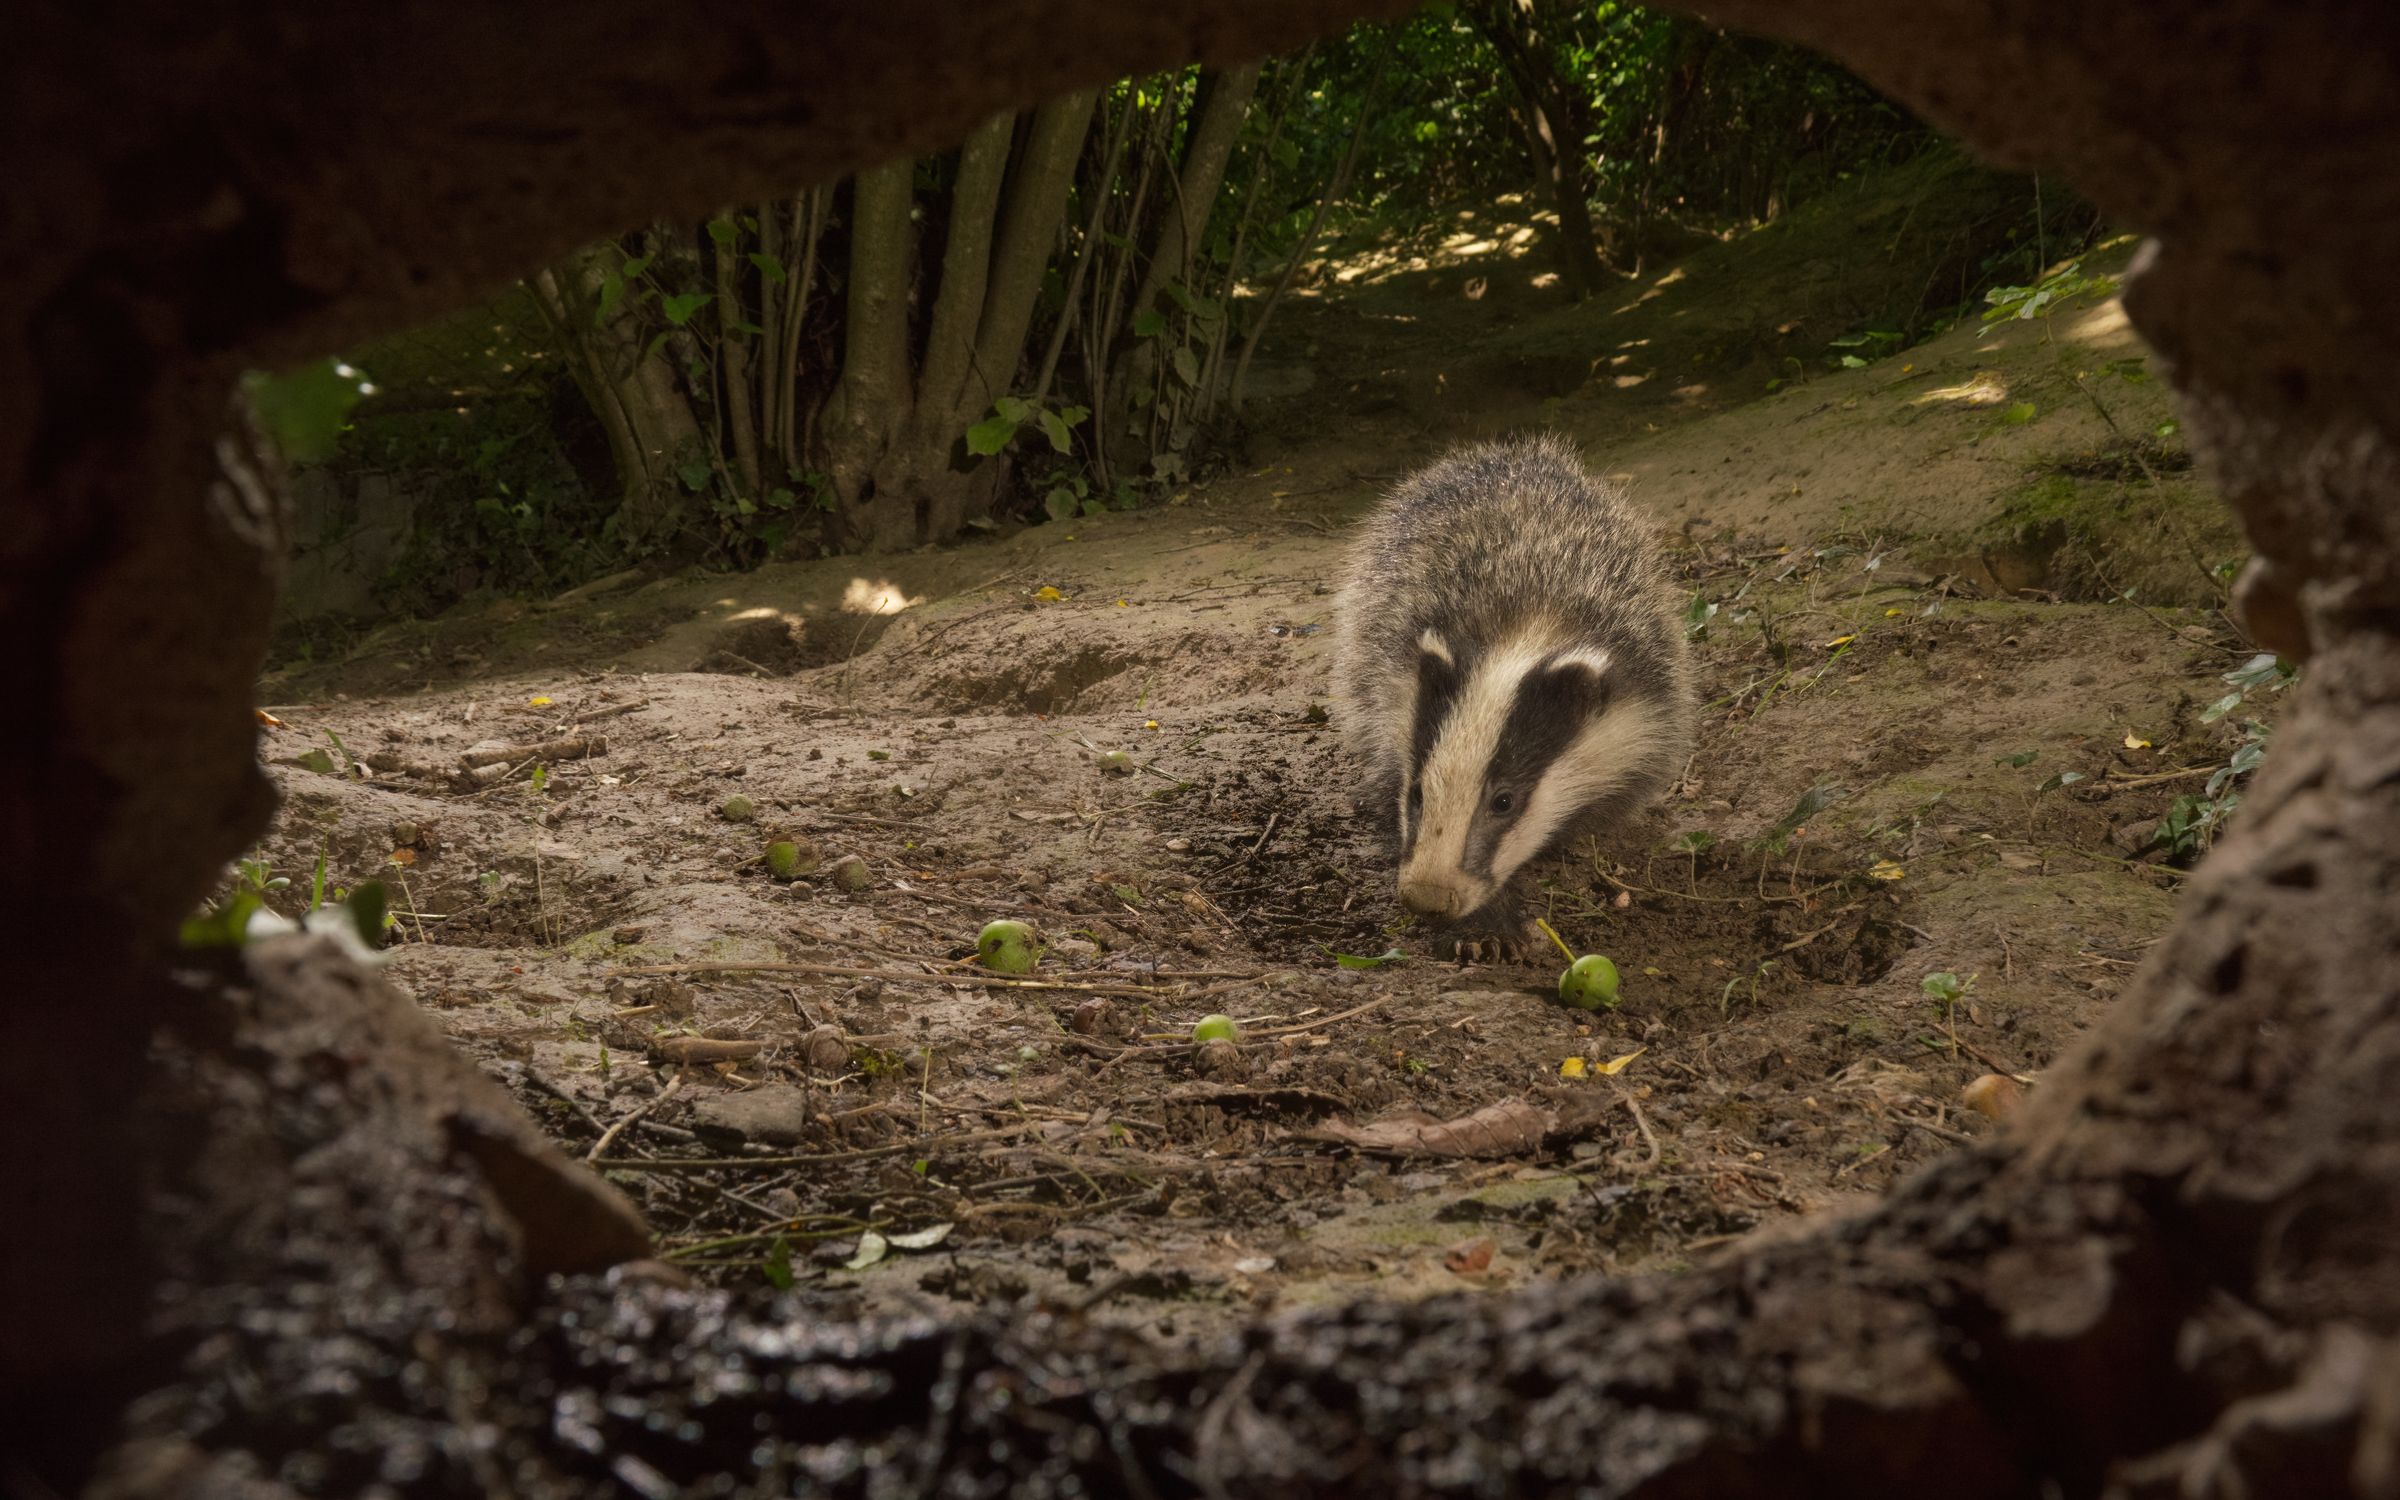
1919 569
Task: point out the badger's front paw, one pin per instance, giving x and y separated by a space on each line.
1486 948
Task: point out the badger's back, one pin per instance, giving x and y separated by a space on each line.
1496 545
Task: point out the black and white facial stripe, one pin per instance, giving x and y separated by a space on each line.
1506 748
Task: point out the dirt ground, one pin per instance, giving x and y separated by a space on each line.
1920 569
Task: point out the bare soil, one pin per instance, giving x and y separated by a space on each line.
1920 569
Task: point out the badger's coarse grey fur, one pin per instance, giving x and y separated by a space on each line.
1511 666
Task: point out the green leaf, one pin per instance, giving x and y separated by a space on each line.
2221 707
679 308
1074 416
990 435
612 292
2063 778
317 761
723 231
222 926
370 910
1015 408
1355 961
1187 365
1812 802
1060 504
1055 428
306 410
2019 414
694 472
1149 325
652 347
778 1268
768 267
636 266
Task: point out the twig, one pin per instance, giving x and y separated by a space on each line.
1639 1119
609 1136
864 1153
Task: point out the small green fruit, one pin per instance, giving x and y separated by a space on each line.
1590 983
736 809
1216 1029
1008 947
792 855
1116 763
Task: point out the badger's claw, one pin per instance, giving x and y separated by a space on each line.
1486 948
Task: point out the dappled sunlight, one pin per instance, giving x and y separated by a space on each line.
877 597
2105 325
1628 382
1985 388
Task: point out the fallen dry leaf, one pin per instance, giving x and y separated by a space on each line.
1616 1065
1468 1257
1503 1129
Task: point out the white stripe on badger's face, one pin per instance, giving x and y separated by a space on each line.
1532 740
1435 877
1592 767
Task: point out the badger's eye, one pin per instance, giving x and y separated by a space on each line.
1503 802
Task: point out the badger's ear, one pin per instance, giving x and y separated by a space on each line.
1431 644
1578 678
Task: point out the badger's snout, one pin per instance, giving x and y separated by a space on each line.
1446 895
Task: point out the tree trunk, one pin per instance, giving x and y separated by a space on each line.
734 390
1182 222
651 427
916 467
1553 132
863 415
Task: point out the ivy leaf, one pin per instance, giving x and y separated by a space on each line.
1187 365
1056 429
723 231
306 410
679 308
768 267
370 910
1149 325
990 435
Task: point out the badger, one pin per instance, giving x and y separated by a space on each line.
1511 668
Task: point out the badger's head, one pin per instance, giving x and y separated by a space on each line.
1506 752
